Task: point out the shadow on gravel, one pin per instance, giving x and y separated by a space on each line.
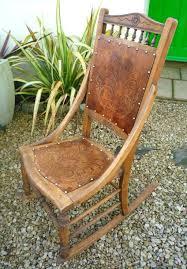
180 156
139 152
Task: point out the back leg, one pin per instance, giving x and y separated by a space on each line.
26 184
125 180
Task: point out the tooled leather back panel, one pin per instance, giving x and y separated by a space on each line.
119 74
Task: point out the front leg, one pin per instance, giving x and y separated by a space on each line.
64 234
26 183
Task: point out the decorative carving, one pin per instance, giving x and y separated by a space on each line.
71 164
135 20
120 74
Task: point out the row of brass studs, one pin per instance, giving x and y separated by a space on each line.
94 67
111 119
128 46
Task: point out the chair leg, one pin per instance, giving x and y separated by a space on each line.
26 184
88 241
63 223
124 183
64 234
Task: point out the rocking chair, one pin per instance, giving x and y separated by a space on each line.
120 87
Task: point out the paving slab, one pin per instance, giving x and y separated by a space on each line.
184 73
171 72
165 88
180 89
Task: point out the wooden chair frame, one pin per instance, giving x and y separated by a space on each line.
124 158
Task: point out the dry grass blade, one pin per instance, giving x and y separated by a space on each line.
52 96
55 108
36 106
52 118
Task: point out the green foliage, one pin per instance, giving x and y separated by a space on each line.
59 64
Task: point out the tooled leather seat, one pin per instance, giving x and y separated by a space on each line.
70 164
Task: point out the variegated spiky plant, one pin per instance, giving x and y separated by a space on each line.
59 63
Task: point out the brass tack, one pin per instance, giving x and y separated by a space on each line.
88 92
139 103
99 38
39 170
86 106
154 54
95 52
123 129
94 110
79 185
128 46
148 72
103 115
119 43
46 177
65 192
46 146
133 118
93 66
91 79
56 184
110 119
91 179
101 150
91 144
32 148
58 143
146 51
137 49
108 159
115 123
143 88
109 40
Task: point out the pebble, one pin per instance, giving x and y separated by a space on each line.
152 237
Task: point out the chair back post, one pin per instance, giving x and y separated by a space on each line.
101 27
161 53
163 47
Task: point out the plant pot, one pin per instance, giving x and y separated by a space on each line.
28 107
7 93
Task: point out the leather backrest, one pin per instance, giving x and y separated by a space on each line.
119 74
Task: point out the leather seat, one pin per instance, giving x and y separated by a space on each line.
67 165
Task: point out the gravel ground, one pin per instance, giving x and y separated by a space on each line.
152 237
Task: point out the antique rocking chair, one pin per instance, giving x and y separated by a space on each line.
120 87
